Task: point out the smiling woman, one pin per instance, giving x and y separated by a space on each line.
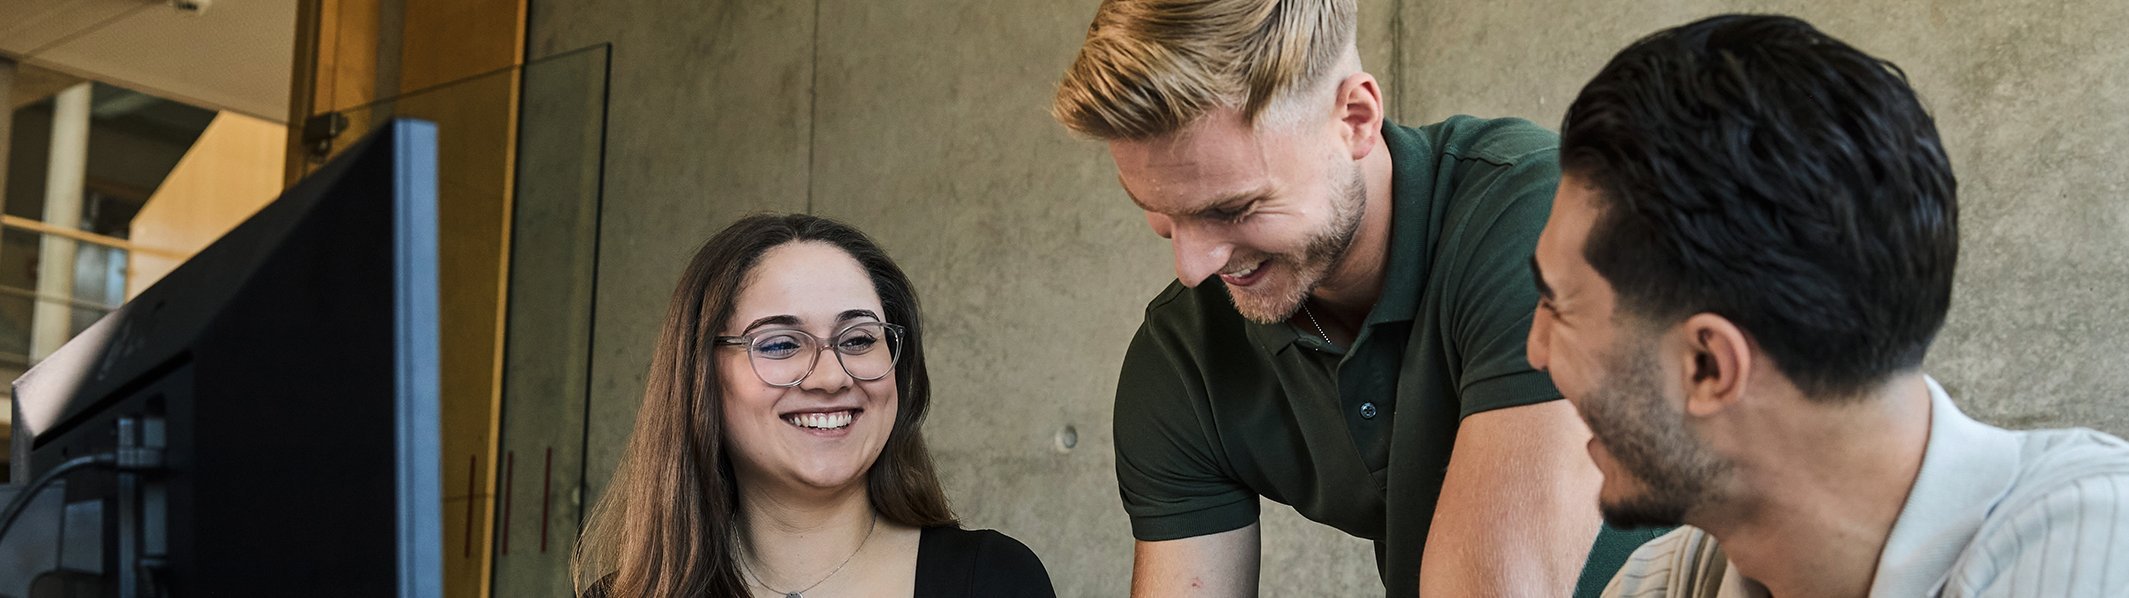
758 467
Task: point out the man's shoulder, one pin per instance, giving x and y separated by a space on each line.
1482 174
1179 308
1169 294
2067 512
2072 449
2055 461
1500 141
1188 332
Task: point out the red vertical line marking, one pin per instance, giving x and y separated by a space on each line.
546 497
509 474
472 461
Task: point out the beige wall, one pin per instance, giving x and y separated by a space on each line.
923 122
226 177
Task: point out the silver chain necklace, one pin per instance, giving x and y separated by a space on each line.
1319 325
824 579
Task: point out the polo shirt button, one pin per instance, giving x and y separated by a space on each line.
1367 411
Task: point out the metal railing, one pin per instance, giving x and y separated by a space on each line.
20 223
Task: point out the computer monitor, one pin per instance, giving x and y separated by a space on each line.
288 373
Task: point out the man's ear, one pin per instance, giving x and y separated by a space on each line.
1360 113
1717 363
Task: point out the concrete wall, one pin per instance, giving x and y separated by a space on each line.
2032 99
547 353
924 122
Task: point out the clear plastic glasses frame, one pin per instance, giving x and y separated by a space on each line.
784 357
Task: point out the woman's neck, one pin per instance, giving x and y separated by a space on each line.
793 541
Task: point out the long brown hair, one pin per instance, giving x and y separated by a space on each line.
669 525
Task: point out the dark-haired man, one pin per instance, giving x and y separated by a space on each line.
1750 251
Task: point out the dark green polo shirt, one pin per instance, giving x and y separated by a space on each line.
1213 410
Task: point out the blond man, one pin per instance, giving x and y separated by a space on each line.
1345 334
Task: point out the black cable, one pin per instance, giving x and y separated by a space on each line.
22 501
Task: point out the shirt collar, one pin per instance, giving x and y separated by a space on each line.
1411 191
1967 466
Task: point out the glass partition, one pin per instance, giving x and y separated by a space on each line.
543 178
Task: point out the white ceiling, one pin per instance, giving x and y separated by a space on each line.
236 55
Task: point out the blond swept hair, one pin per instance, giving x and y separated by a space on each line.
1152 67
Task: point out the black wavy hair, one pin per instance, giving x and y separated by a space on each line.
1754 167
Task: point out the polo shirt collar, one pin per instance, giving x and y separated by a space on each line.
1411 188
1967 466
1405 270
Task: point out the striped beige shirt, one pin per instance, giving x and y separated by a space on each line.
1992 513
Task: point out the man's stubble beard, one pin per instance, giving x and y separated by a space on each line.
1325 250
1678 472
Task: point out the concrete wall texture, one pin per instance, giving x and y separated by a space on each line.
924 122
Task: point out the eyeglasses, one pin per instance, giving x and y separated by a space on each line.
783 357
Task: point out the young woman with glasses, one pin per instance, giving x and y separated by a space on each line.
779 449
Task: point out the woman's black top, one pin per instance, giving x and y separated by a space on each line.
954 562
